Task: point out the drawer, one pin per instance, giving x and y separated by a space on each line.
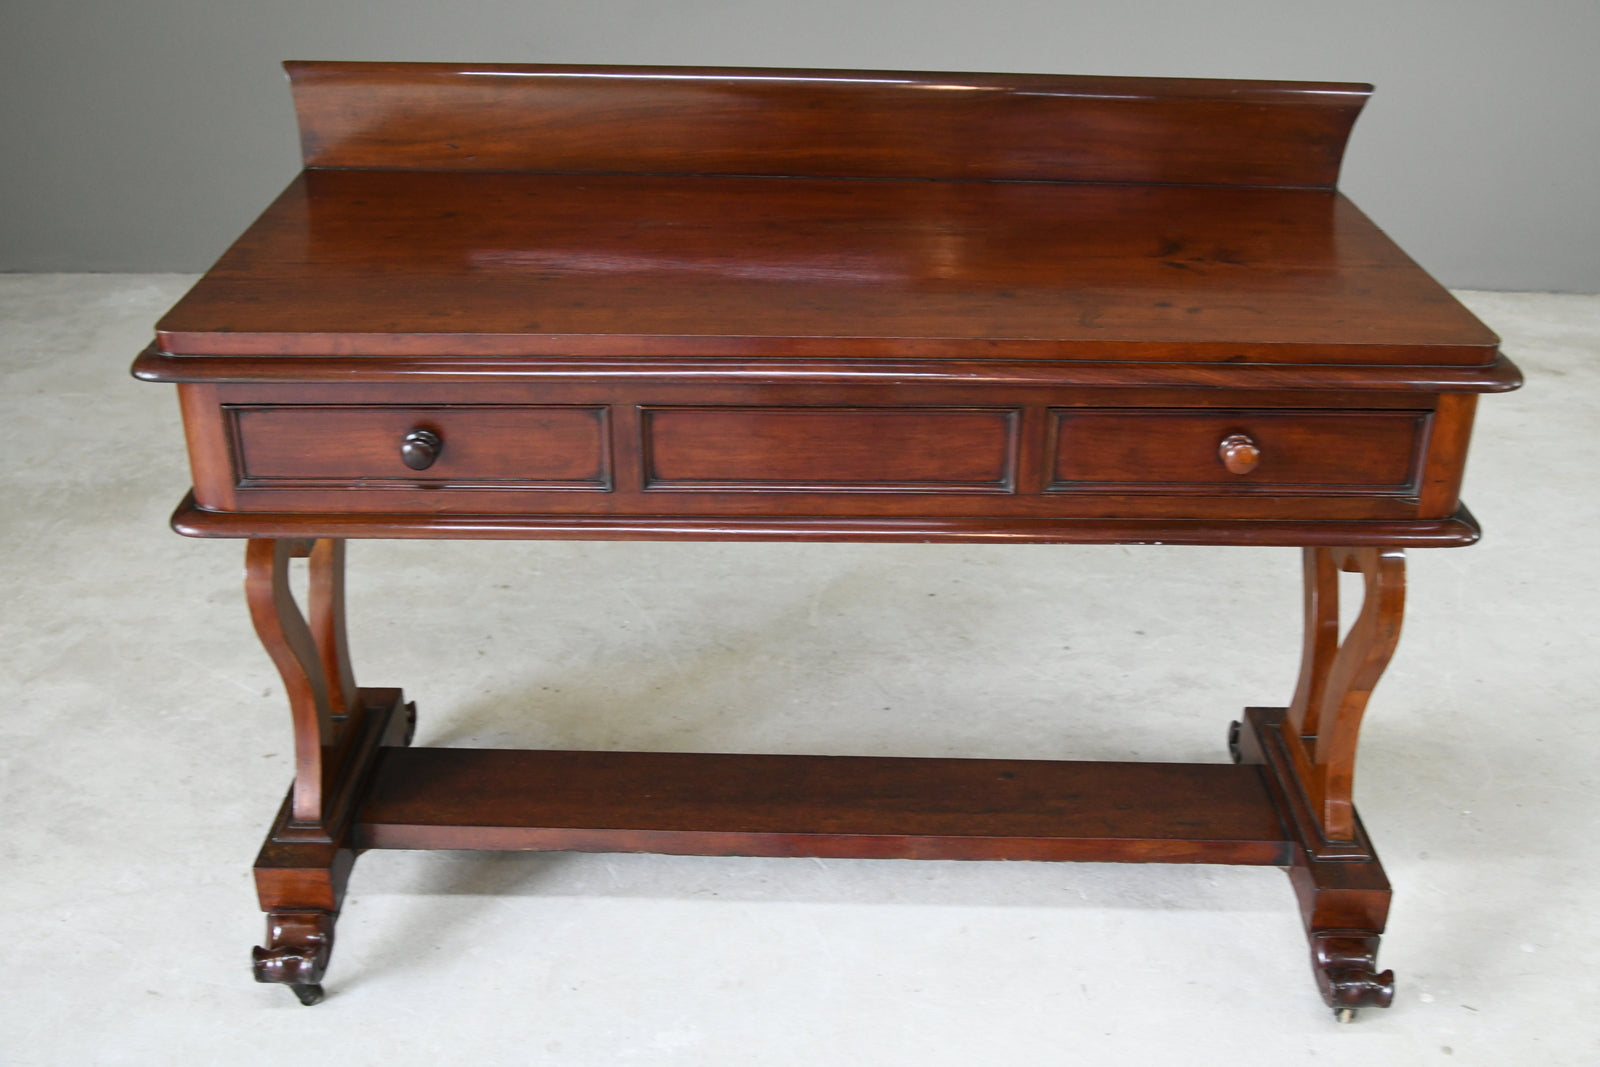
1179 451
654 451
851 450
477 445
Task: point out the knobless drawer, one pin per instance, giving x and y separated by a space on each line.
861 449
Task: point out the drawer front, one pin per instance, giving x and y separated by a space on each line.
970 451
1301 452
767 449
479 445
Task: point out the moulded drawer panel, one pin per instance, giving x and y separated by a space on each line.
359 445
1166 451
844 449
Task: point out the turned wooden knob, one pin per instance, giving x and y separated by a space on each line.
1239 453
420 448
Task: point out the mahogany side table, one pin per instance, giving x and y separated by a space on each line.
671 303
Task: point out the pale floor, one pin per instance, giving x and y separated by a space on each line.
143 748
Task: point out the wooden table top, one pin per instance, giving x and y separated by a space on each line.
411 263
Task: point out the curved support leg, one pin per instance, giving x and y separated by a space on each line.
1308 751
339 730
1337 677
288 640
296 953
325 603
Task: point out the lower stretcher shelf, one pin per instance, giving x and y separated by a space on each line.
832 806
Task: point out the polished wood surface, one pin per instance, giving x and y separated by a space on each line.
714 304
840 806
435 264
1341 887
1291 452
311 444
656 453
820 368
788 123
288 640
1454 531
1337 675
1240 453
303 869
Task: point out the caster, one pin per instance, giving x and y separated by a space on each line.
309 994
1345 964
296 954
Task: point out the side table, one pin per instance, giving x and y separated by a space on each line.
714 304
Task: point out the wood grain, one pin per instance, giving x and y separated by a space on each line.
846 806
1163 450
443 264
908 450
719 304
868 124
842 449
311 444
1456 531
823 368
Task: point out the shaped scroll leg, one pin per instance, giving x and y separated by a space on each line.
1344 894
1309 754
305 863
295 652
1337 677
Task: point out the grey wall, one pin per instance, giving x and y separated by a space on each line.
142 135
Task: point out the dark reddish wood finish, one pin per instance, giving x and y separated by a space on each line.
1294 452
820 367
746 268
617 303
822 123
299 944
1344 894
288 640
1452 532
339 729
797 449
1337 675
840 806
325 593
1240 453
344 445
654 453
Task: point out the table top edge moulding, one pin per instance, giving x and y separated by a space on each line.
662 303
